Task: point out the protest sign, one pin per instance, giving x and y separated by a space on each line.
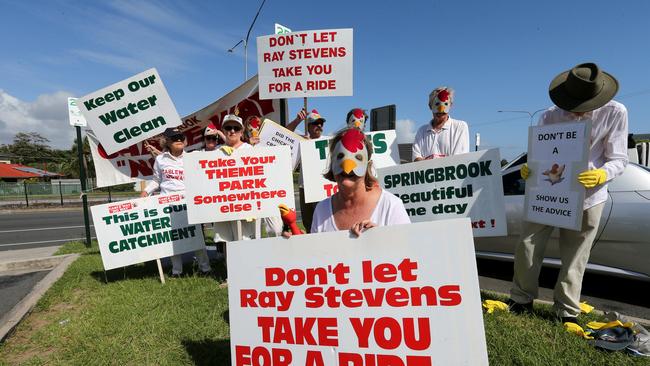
135 162
557 153
314 63
140 230
273 134
396 295
314 157
129 111
466 185
74 114
250 183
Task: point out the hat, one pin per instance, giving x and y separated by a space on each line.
314 117
232 117
210 130
583 88
172 132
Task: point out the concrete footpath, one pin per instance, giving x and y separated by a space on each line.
25 275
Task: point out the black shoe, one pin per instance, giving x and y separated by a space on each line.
205 274
569 319
176 275
518 308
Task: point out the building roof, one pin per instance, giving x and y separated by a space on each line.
23 172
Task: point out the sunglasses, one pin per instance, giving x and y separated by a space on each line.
210 137
319 124
177 138
232 128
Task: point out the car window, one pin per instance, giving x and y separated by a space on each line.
513 184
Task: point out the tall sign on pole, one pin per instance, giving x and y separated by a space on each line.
77 120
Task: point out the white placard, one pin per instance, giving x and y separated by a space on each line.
557 153
74 114
129 111
136 163
273 134
314 155
144 229
397 295
315 63
466 185
250 183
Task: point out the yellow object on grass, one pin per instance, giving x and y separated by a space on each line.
615 323
586 308
227 149
592 178
577 330
491 305
524 171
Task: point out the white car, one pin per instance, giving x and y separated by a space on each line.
622 246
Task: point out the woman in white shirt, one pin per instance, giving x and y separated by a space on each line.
360 203
168 177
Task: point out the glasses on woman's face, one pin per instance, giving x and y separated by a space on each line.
177 138
210 138
234 128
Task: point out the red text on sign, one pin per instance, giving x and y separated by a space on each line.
355 359
388 333
260 356
309 331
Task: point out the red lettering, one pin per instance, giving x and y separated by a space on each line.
450 295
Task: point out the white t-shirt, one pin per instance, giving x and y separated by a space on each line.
168 174
389 211
608 149
452 139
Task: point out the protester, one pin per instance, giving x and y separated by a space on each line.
583 93
232 128
315 123
168 177
360 203
357 118
443 136
315 128
252 127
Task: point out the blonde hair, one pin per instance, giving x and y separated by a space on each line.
369 180
436 91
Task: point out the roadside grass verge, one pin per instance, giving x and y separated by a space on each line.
134 320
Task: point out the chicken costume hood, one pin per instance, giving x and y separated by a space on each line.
357 119
441 102
350 154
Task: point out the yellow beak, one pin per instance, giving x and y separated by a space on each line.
348 165
283 209
357 124
441 109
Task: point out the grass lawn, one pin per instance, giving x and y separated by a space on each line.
134 320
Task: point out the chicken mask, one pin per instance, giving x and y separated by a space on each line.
357 119
442 102
350 154
253 127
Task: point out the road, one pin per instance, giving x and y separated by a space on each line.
32 229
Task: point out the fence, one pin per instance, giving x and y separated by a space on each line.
54 193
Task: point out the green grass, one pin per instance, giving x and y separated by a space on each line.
134 320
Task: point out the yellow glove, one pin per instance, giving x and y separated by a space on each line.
585 308
524 171
227 149
577 330
615 323
592 178
491 305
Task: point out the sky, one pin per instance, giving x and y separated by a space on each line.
497 55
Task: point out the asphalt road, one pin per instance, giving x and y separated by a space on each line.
31 229
16 286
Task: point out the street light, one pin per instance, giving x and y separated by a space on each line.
531 115
245 42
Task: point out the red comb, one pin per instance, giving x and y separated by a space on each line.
443 95
353 140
